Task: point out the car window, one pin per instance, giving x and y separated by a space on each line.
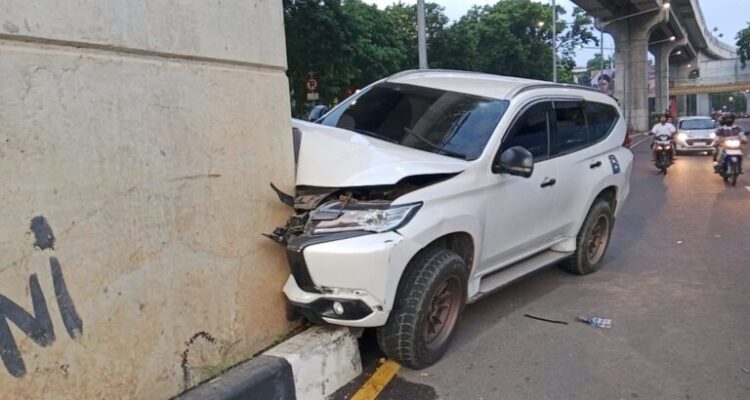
438 121
571 132
601 119
695 124
531 131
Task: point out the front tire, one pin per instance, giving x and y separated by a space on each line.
593 239
429 301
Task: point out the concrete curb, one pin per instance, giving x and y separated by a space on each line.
309 366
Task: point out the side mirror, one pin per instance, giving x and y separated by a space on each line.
515 161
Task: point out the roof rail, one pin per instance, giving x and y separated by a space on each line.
416 71
551 85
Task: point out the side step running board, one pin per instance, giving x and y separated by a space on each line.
505 276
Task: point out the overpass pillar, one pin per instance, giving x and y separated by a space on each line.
703 104
631 65
661 54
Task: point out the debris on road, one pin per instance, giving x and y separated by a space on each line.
679 242
545 319
745 370
597 322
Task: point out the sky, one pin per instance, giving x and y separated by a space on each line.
730 16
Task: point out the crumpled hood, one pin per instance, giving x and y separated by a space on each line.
333 157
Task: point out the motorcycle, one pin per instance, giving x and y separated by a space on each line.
729 164
662 148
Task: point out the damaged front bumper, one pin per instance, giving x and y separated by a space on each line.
357 270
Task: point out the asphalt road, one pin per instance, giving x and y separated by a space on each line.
675 282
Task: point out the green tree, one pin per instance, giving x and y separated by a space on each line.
405 18
743 45
503 39
596 63
735 102
576 33
378 49
508 39
343 43
318 41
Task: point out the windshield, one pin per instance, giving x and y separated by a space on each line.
693 124
454 124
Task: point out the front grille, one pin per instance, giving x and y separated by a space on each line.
700 142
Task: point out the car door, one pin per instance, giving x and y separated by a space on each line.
517 207
577 141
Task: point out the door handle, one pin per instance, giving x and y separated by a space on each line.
596 164
548 182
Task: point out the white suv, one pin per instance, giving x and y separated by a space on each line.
430 189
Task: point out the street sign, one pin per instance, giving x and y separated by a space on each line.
313 96
311 85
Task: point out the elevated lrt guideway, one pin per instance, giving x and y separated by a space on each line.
676 34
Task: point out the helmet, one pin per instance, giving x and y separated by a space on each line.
727 118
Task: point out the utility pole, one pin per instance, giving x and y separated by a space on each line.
601 49
421 37
554 42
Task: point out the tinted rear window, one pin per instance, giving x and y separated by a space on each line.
437 121
571 131
601 119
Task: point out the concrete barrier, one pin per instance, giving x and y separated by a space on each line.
310 366
137 140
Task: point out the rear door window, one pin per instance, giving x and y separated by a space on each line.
571 132
601 119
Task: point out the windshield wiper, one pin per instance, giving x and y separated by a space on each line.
438 148
375 135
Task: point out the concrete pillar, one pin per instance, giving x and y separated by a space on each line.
681 105
137 141
631 64
747 104
703 106
662 54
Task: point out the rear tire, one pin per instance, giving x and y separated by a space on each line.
593 239
735 173
430 298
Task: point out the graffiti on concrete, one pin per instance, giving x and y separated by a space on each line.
37 326
45 239
185 363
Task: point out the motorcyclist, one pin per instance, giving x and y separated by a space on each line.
663 128
726 130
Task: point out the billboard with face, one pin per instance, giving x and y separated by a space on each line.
604 80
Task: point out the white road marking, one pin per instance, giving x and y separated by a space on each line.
748 188
632 146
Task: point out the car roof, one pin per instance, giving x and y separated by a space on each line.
476 83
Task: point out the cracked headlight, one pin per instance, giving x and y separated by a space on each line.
375 216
